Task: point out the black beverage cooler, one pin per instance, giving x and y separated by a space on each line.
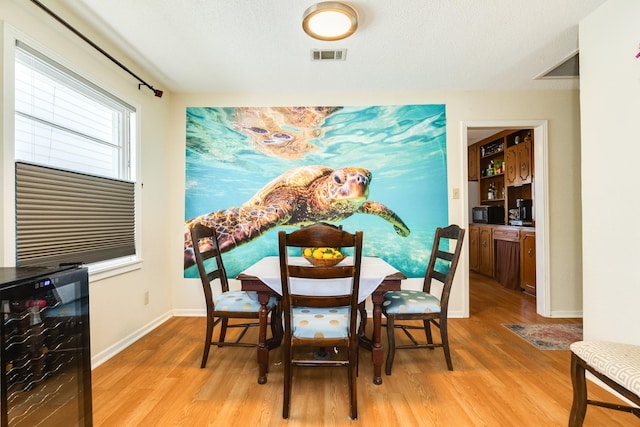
46 360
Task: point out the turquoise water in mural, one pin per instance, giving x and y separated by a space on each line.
404 147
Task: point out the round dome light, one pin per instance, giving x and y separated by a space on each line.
330 20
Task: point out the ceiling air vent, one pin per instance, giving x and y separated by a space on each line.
328 55
569 68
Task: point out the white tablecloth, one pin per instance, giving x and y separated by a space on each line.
372 272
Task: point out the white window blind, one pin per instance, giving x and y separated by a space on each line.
74 191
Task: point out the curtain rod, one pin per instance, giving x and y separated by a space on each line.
156 92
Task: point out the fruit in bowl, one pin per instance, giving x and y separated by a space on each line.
323 257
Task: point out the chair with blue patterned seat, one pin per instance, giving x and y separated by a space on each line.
226 304
327 321
424 305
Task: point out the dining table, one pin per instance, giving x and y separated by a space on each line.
376 277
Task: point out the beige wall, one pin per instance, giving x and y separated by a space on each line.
118 313
610 81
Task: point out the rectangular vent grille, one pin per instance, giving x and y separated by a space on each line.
328 55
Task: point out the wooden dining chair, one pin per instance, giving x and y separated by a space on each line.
424 305
225 304
615 364
329 321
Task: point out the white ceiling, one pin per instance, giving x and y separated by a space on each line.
478 134
400 45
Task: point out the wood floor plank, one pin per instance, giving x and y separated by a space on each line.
499 380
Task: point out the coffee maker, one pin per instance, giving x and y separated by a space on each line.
525 206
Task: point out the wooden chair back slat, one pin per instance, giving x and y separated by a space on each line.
329 236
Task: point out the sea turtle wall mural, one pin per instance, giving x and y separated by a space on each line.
253 171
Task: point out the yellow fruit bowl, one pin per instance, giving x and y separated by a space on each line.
323 257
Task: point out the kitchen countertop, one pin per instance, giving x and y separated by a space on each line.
508 227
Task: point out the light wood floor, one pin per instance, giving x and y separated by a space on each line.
499 380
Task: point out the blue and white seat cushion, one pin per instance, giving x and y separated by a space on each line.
407 301
240 301
314 322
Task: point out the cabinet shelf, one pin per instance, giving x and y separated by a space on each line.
486 156
497 175
491 200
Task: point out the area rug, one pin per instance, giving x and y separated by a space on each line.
547 336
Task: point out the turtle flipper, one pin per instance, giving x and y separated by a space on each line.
377 208
235 226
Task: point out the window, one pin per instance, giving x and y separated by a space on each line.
74 169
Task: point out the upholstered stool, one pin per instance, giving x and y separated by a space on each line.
615 364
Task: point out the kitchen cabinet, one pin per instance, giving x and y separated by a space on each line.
528 262
486 251
508 234
506 255
472 162
474 245
519 166
504 170
481 249
483 253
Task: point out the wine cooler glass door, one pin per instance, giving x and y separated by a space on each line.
46 378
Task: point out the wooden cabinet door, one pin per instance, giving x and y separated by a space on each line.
474 248
486 251
472 162
511 166
518 163
528 262
524 162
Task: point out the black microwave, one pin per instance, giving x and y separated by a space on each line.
488 214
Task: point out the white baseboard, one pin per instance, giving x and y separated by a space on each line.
116 348
567 314
192 312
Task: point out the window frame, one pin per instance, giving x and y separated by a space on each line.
97 270
64 122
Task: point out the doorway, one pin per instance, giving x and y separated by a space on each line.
473 131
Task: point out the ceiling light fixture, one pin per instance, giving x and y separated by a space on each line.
330 20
